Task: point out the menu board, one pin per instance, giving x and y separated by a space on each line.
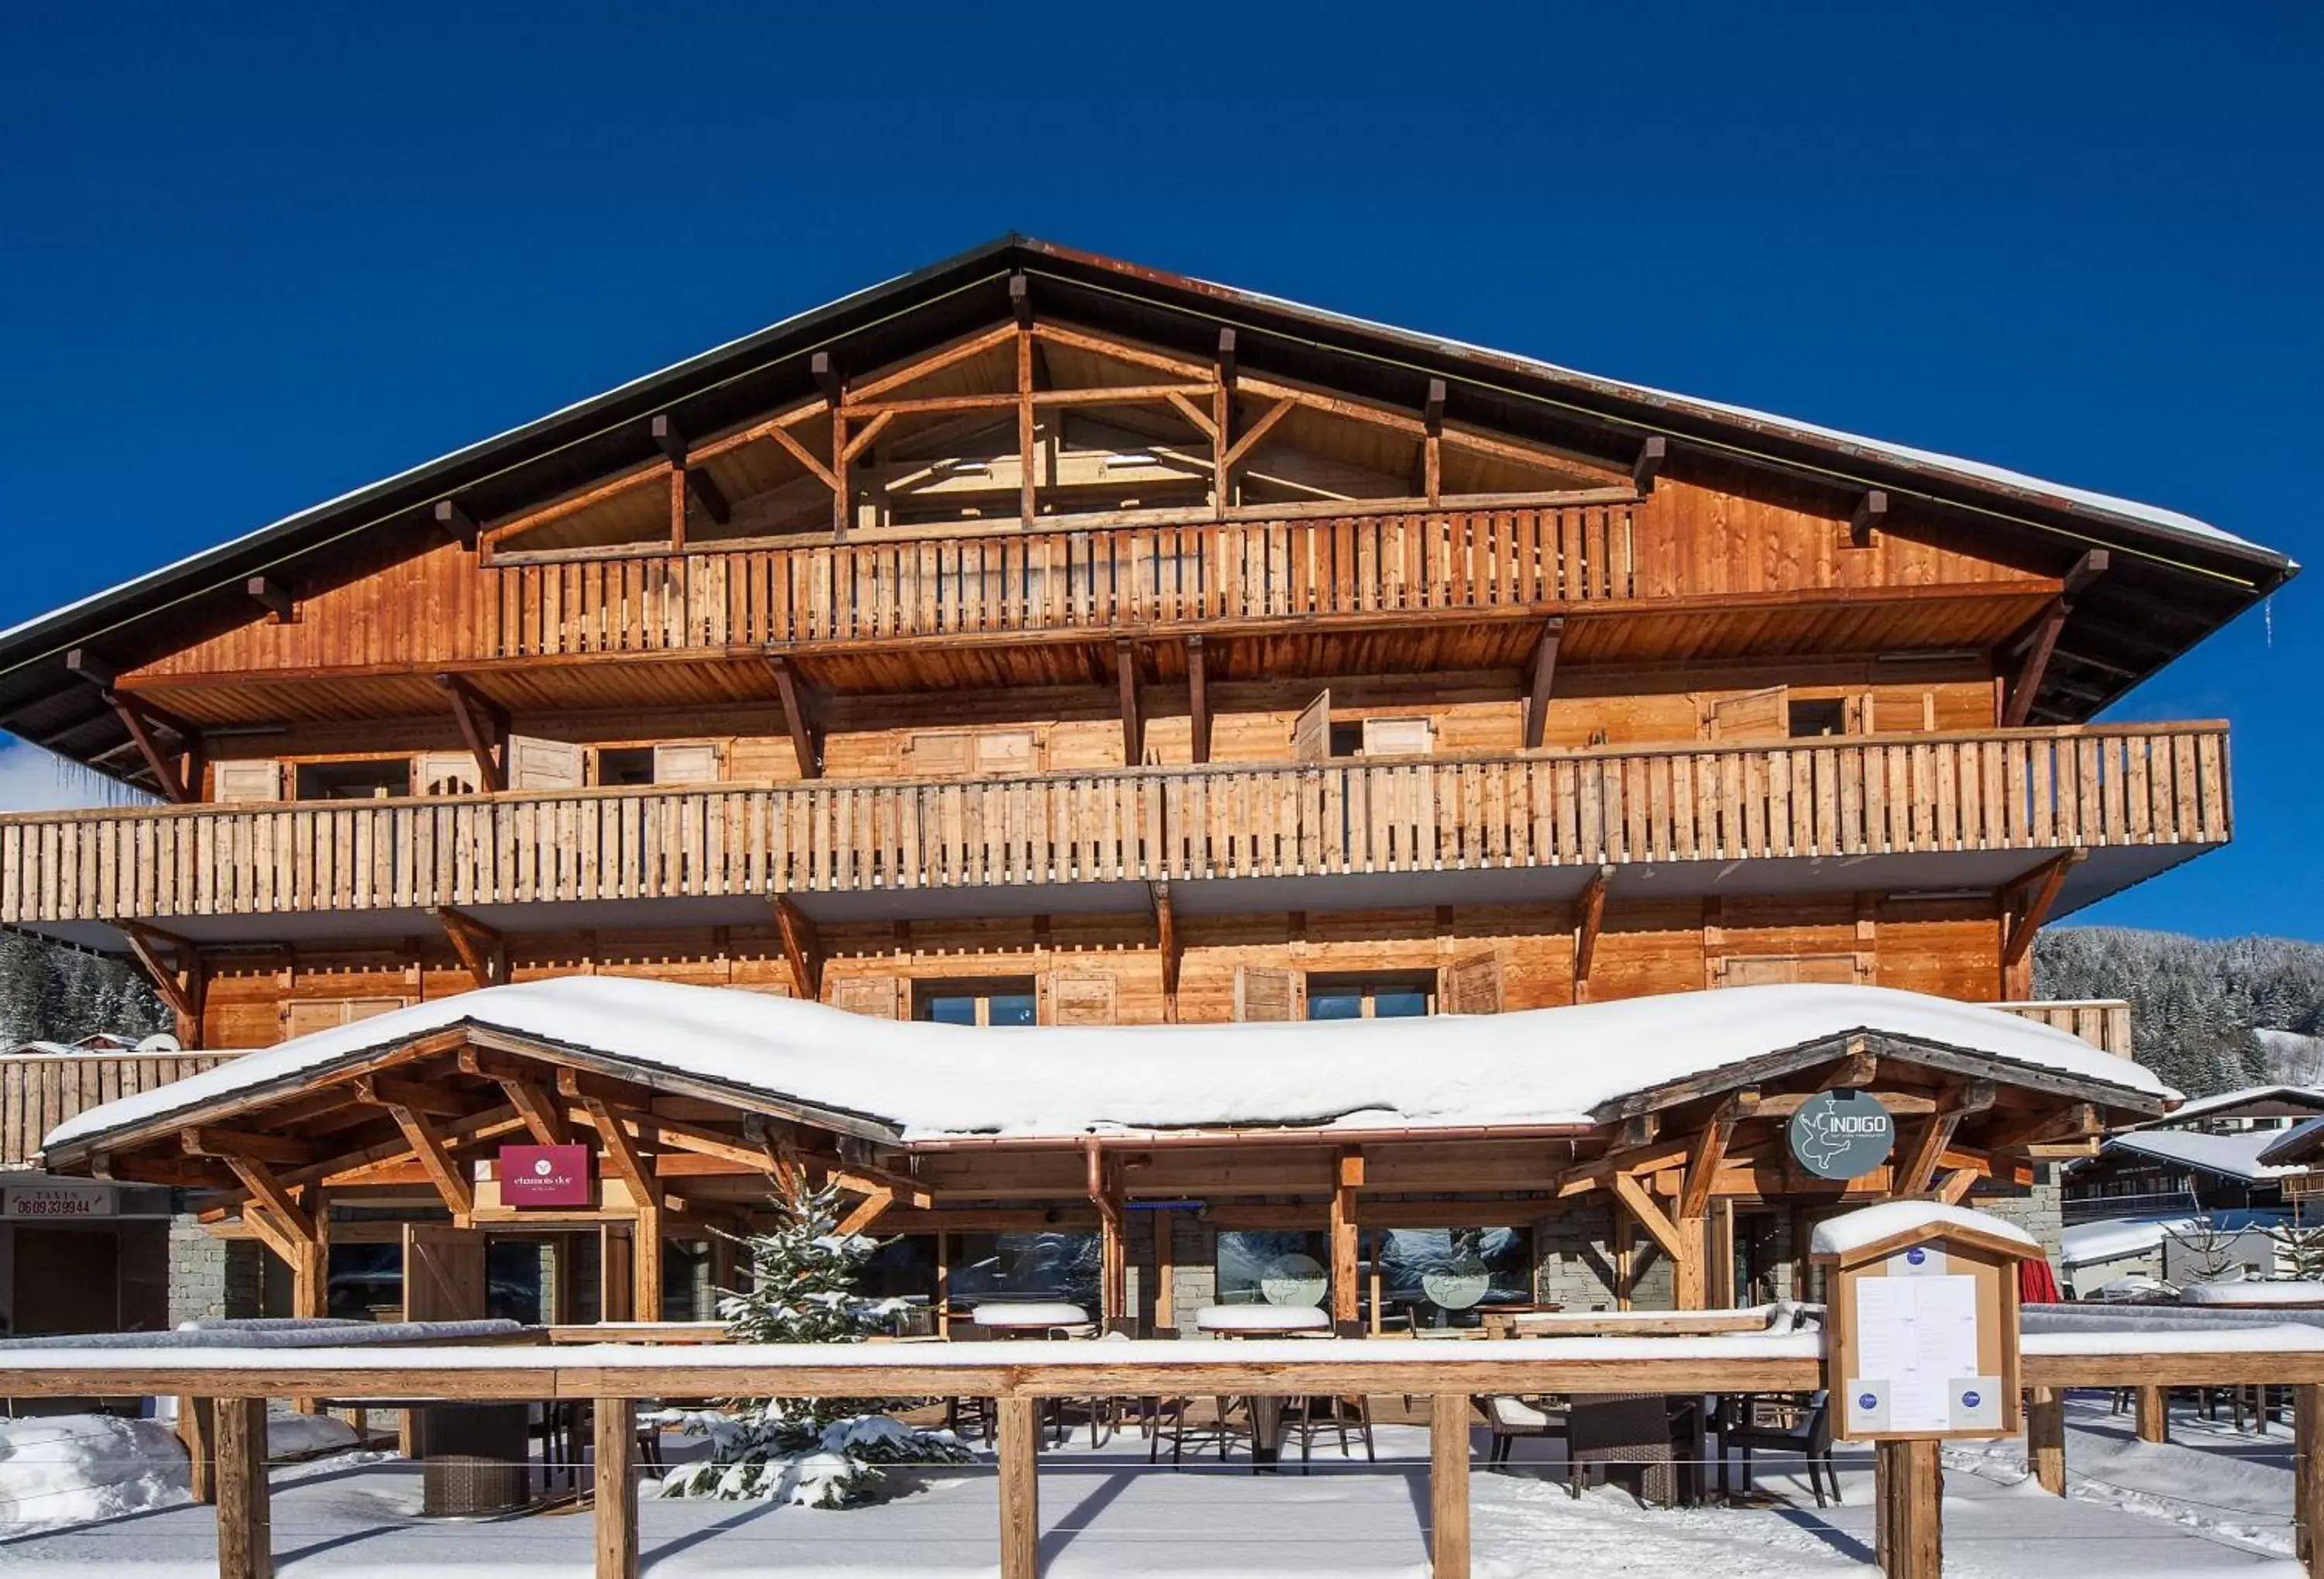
1915 1355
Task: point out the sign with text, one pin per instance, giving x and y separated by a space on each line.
546 1176
58 1202
1842 1134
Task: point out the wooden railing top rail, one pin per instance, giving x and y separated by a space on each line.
1194 517
1693 748
1787 1363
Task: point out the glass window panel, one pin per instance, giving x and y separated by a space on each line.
366 1281
1335 1004
1010 1009
1025 1266
513 1280
949 1008
1288 1266
1399 1002
1449 1277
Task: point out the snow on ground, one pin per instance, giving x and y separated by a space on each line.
70 1469
1107 1513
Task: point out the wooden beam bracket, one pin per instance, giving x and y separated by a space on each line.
798 717
483 725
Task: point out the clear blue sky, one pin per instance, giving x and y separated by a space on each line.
251 256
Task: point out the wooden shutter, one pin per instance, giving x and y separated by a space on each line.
942 753
1758 970
1754 715
543 764
305 1016
247 780
1311 734
1007 752
881 997
1398 737
1264 992
443 1273
1471 985
444 773
1079 998
685 764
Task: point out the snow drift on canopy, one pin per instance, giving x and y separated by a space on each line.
1531 1066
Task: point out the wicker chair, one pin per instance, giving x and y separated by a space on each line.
1512 1417
1629 1429
1779 1426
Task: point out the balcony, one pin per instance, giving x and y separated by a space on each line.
1900 813
39 1091
1016 582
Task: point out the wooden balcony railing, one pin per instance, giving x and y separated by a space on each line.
1022 582
39 1091
2102 1023
2041 788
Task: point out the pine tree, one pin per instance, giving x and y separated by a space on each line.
819 1453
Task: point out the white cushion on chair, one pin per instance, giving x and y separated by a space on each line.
1515 1413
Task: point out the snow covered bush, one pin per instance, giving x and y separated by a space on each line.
817 1453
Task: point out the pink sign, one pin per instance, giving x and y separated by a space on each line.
546 1176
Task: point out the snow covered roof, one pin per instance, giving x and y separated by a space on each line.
2295 1147
2308 1096
2110 1238
1868 1225
2235 1155
1533 1067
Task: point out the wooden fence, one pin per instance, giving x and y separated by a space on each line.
1018 581
39 1091
2102 1023
1450 1374
1831 797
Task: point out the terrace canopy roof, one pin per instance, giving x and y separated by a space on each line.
902 1083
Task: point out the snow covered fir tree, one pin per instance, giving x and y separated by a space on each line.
817 1453
2207 1015
50 993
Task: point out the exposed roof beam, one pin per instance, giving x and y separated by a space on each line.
273 597
1871 517
454 523
1649 463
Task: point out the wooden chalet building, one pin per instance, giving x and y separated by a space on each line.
1040 639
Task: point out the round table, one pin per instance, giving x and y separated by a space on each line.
1264 1321
1043 1317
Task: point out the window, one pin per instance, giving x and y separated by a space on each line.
657 764
1371 997
1010 1001
1809 719
1286 1266
380 779
1448 1277
1042 1265
961 754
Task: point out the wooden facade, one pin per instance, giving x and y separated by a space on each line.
1070 634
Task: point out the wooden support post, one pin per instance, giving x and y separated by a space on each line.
805 744
244 1515
1114 1265
1909 1485
1448 1486
1543 675
1223 395
179 980
1166 1273
1198 698
1432 445
1588 915
1165 940
1350 1177
173 784
616 1483
482 950
2154 1404
198 1430
1020 301
2307 1474
2045 881
802 948
2045 1438
1133 725
1020 1491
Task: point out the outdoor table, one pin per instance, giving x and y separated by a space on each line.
1013 1320
1264 1321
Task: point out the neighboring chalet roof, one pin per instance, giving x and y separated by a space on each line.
907 1081
2236 1157
2173 578
2114 1239
2296 1147
2264 1101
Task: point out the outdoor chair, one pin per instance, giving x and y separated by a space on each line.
1311 1416
1630 1430
1779 1426
1512 1415
1229 1424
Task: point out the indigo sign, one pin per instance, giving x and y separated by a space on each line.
1842 1134
546 1176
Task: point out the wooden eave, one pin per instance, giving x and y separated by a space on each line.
2168 589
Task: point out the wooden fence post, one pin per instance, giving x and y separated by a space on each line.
616 1484
2153 1415
2307 1473
1448 1485
244 1519
198 1430
1909 1521
2045 1439
1021 1503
